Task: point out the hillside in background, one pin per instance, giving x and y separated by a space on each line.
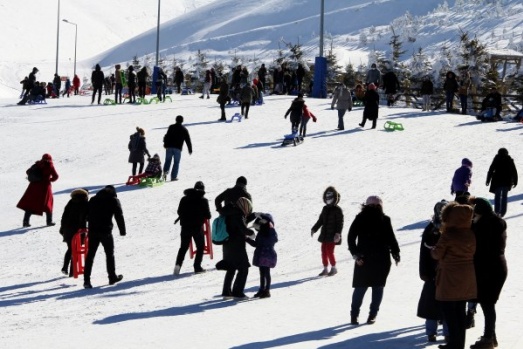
250 32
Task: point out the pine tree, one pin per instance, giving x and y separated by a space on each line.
333 68
136 63
396 46
350 76
475 57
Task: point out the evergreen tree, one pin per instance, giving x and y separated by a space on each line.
350 76
333 68
136 63
475 57
396 46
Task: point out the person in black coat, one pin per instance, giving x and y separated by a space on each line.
428 307
30 83
371 109
492 100
223 98
296 111
300 74
262 73
102 208
231 195
131 84
426 91
137 148
178 79
97 79
371 242
331 224
490 265
502 176
193 210
391 85
235 258
451 87
142 76
57 85
173 141
74 218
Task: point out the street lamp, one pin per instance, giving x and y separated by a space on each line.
57 36
156 69
75 41
319 88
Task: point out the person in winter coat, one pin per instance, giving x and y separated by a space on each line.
97 80
161 80
295 111
373 76
142 76
371 243
305 117
462 178
231 195
331 224
426 91
265 256
502 176
102 207
223 98
38 197
262 73
428 307
76 84
235 259
193 210
118 84
391 84
492 101
342 99
154 167
74 218
57 85
246 96
451 87
29 84
372 105
67 89
490 265
137 148
455 276
131 84
300 74
207 83
173 141
465 82
178 79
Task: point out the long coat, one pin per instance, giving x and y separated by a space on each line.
372 239
38 197
234 250
137 148
489 261
455 278
502 173
371 101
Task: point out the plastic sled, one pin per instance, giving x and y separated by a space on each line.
167 98
292 138
393 126
109 101
236 116
150 182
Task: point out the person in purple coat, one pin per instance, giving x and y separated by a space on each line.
462 178
265 256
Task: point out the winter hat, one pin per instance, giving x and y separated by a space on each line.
503 151
80 192
373 65
199 186
241 180
371 86
466 162
47 157
374 200
245 205
261 220
482 206
140 130
179 119
156 157
35 69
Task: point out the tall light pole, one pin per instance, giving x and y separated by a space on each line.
57 36
156 68
319 88
75 41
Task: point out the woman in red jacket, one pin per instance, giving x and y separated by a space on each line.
38 197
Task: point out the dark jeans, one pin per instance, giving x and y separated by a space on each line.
500 200
134 167
99 90
463 100
265 278
160 91
239 283
107 242
489 311
456 317
295 124
449 97
132 94
141 89
245 108
222 107
303 126
199 241
67 259
357 300
118 93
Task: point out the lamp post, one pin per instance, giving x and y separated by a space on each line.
156 68
75 41
57 36
319 88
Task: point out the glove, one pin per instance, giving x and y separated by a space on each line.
314 119
123 233
312 233
337 237
487 183
396 258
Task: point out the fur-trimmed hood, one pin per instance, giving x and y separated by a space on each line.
455 215
335 194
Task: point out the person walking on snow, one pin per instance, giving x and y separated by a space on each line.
462 178
502 177
342 99
173 141
296 111
331 224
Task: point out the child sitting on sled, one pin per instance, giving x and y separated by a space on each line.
153 170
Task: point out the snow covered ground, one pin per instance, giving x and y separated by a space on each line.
411 170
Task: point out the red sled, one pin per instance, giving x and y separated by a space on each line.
207 249
80 246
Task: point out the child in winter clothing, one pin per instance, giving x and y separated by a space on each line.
265 256
154 167
296 111
137 148
73 219
305 117
462 178
331 223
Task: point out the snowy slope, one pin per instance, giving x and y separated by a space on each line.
410 170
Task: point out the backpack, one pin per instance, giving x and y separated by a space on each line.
219 234
34 174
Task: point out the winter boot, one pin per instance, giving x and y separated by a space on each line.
265 294
431 338
483 343
177 269
354 320
371 319
470 322
259 293
333 271
116 279
325 272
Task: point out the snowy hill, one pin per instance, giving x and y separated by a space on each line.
251 30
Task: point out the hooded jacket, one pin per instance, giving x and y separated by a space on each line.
331 218
502 172
193 209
